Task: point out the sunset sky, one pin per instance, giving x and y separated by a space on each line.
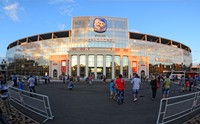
178 20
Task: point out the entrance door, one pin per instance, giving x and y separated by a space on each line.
90 71
55 73
142 75
99 72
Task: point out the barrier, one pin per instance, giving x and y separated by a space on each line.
34 102
173 108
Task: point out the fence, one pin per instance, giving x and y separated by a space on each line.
174 108
34 102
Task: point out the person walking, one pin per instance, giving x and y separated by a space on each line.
112 90
31 82
154 86
15 79
63 78
5 98
20 84
104 79
187 84
191 81
120 86
182 83
136 81
166 87
196 82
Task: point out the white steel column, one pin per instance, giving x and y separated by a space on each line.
113 68
104 64
86 65
78 65
95 66
50 69
70 65
129 67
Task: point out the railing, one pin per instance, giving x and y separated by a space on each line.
34 102
174 108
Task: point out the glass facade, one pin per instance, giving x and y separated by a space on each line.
108 66
99 34
90 65
74 65
39 51
117 66
83 34
82 65
125 66
100 65
160 53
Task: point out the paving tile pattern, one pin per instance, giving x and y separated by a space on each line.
18 117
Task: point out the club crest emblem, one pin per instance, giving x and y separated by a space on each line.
100 25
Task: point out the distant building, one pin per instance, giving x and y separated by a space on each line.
196 69
96 46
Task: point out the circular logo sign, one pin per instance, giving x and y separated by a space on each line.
100 25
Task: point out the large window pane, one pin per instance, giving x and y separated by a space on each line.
117 66
82 65
108 66
125 66
74 65
99 66
99 60
90 65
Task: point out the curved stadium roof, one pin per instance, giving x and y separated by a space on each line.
66 33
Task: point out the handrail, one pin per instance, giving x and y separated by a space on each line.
34 102
173 108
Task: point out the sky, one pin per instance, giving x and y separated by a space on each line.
178 20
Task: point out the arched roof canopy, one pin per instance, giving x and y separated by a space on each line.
151 38
39 37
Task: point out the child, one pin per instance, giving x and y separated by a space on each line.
187 84
20 84
112 90
70 84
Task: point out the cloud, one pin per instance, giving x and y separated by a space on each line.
61 26
61 1
134 30
65 7
66 10
134 0
11 11
194 60
197 51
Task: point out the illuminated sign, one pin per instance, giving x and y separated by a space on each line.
100 39
63 65
100 25
162 60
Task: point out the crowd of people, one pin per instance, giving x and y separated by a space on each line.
116 86
5 96
189 83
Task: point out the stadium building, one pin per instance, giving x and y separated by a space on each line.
97 46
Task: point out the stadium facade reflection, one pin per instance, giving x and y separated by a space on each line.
96 45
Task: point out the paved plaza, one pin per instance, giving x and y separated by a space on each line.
91 104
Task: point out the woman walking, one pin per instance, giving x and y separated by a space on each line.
154 83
